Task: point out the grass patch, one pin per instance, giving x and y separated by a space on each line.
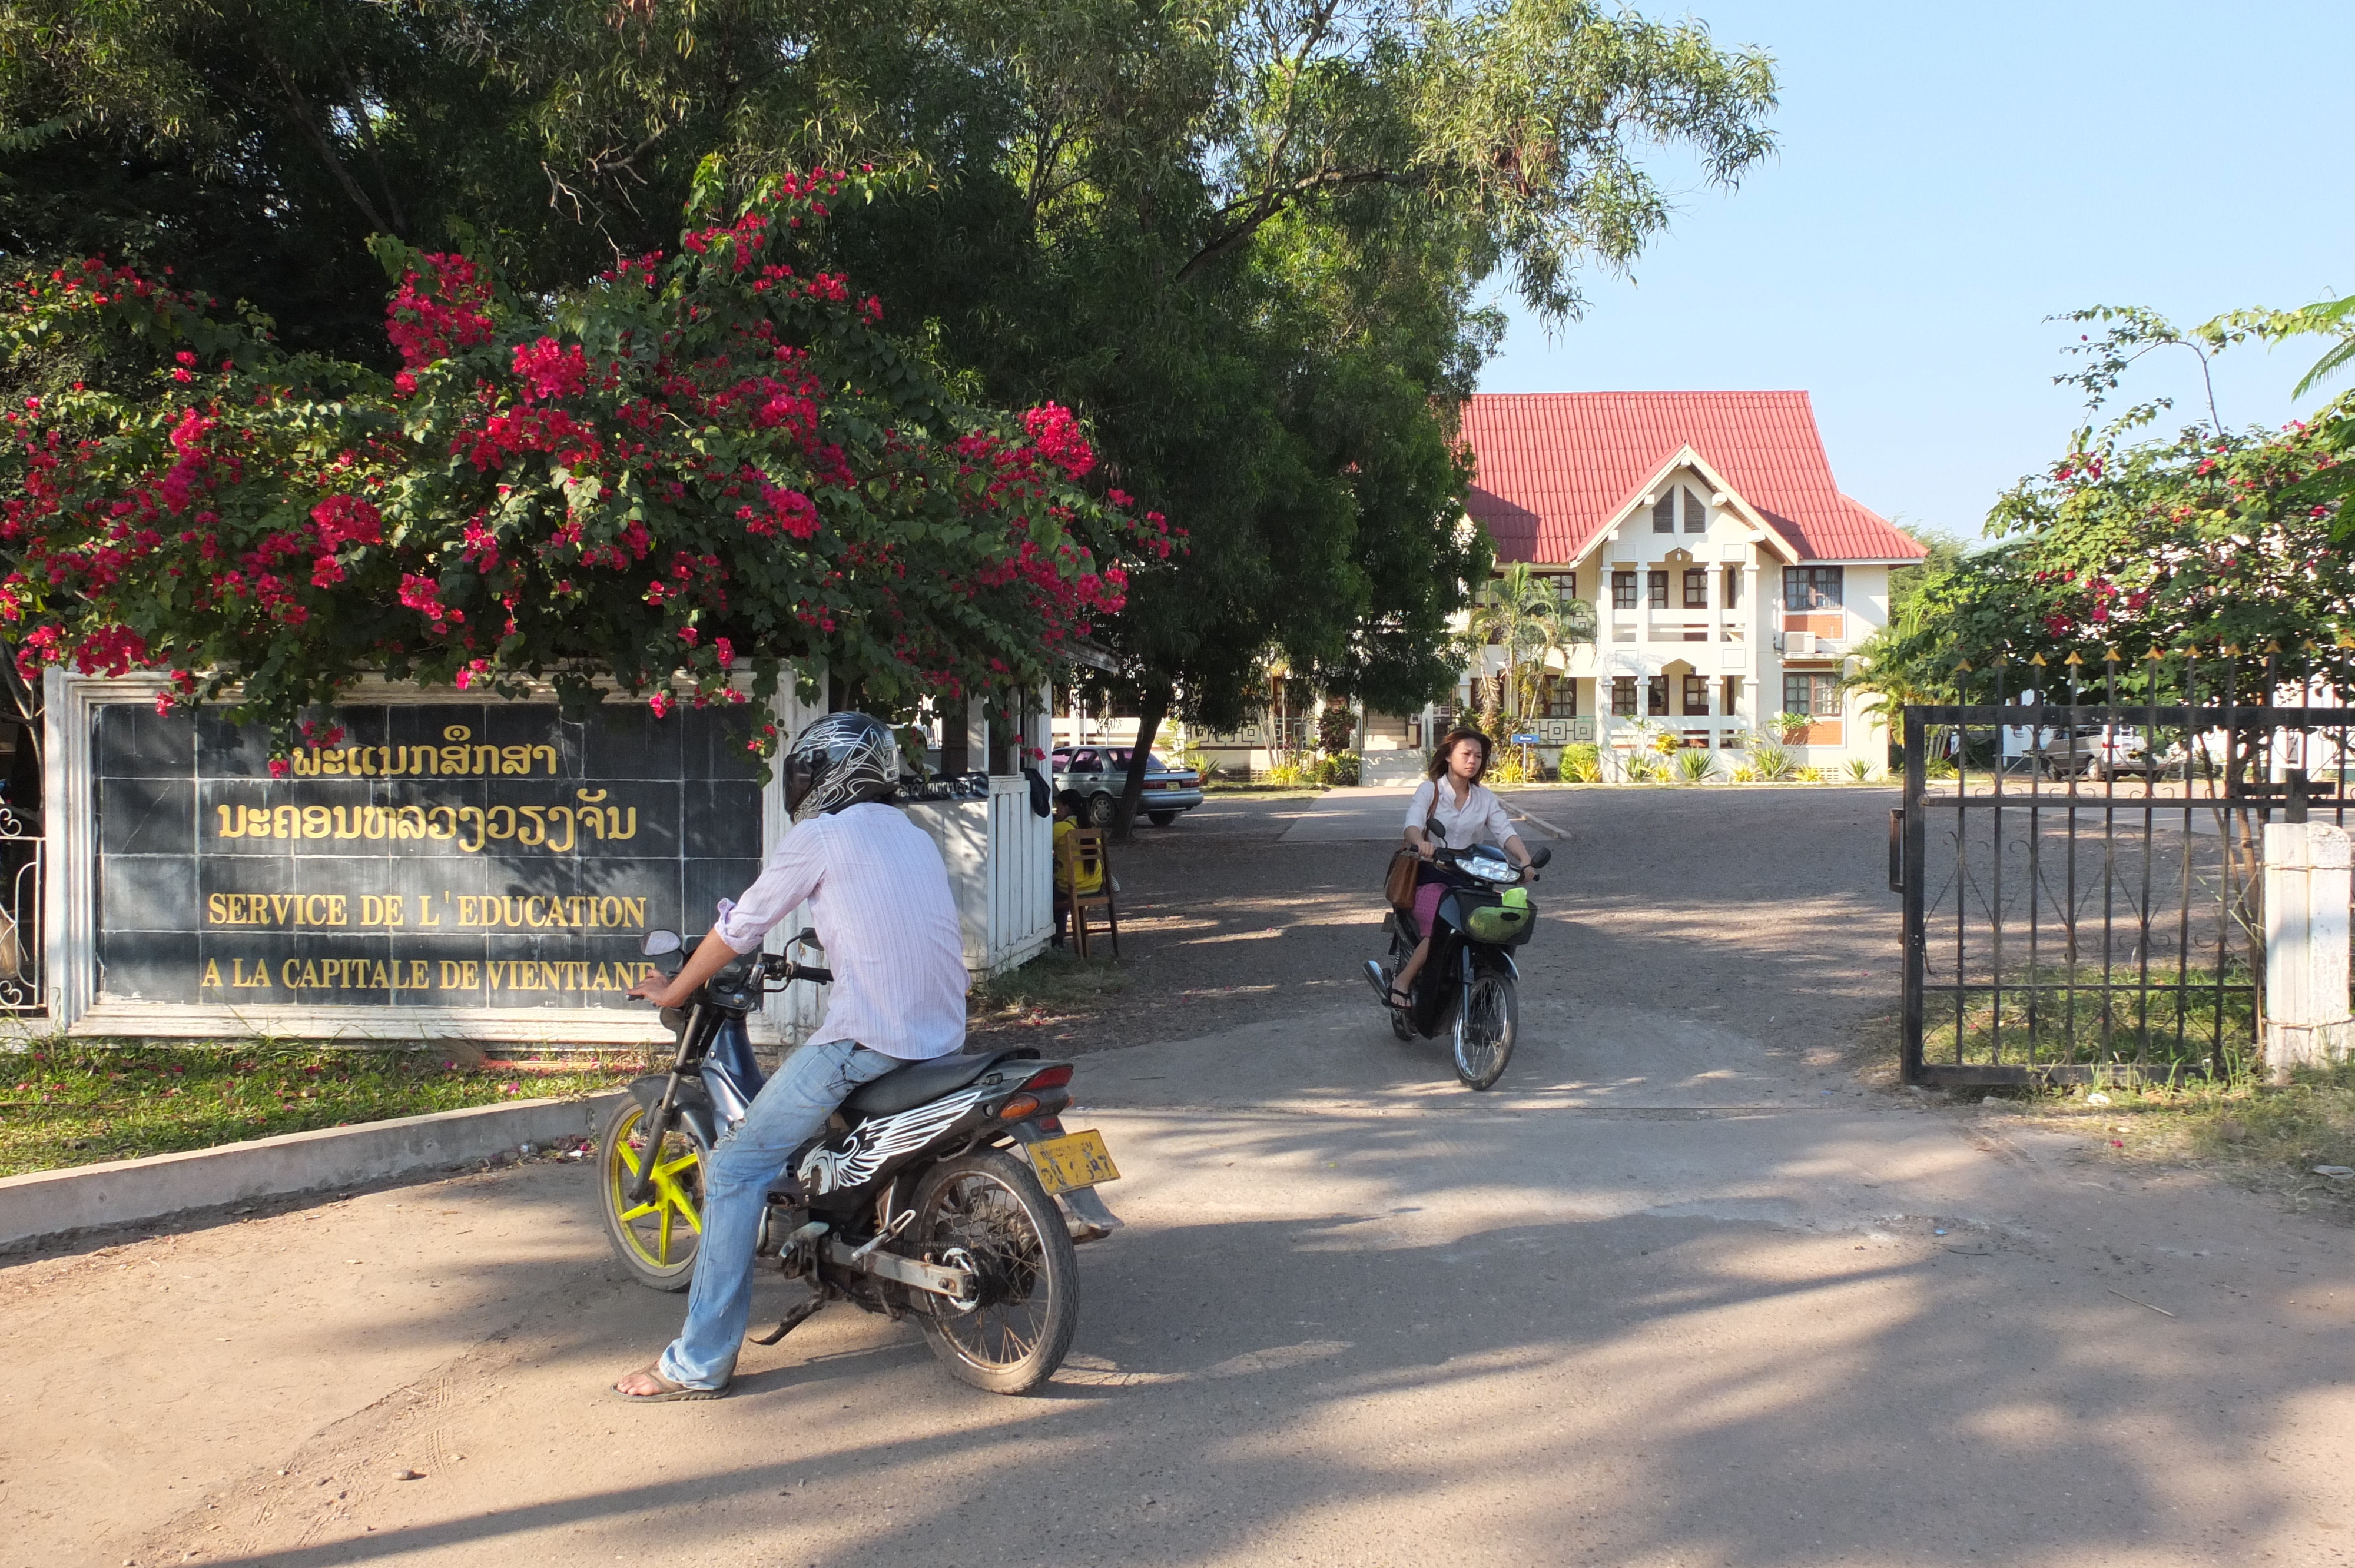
2266 1137
64 1105
2262 1136
2162 1027
1058 983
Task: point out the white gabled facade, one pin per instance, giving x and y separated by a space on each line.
1730 580
1697 630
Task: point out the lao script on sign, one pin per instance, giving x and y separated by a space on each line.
450 855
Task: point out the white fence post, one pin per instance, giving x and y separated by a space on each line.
2307 893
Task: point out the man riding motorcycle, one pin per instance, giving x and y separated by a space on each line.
879 897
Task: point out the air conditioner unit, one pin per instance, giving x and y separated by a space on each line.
1799 644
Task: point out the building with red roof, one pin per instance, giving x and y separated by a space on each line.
1731 575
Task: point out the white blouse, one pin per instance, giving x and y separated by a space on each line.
1480 819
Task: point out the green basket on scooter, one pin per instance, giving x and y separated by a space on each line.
1506 922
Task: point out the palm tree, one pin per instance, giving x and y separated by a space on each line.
1525 615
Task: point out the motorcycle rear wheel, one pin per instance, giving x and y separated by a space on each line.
656 1240
1487 1021
988 1211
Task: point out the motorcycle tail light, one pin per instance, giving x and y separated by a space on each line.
1018 1107
1054 1077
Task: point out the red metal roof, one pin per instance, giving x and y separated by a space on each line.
1552 469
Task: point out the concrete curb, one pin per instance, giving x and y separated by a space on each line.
124 1192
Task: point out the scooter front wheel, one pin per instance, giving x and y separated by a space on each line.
656 1240
1487 1021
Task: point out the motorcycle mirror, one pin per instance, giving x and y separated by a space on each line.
1540 854
1435 831
656 943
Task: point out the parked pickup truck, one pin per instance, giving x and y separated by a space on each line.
1098 773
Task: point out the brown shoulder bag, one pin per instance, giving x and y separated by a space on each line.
1399 886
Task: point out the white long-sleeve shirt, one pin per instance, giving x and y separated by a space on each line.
879 897
1480 819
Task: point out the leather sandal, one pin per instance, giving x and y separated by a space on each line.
670 1391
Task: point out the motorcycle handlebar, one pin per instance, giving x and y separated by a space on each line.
778 967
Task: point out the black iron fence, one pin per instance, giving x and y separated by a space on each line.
2083 870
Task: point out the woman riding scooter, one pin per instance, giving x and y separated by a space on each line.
1467 812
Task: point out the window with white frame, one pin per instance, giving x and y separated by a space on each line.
1811 588
1814 692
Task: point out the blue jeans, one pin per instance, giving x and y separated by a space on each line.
789 1109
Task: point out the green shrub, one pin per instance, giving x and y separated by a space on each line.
1937 768
1860 768
1582 764
1642 768
1286 769
1809 775
1695 765
1769 760
1789 728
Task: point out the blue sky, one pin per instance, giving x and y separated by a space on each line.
1951 176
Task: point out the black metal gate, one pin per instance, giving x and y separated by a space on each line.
2083 880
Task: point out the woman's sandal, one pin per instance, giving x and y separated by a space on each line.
670 1391
1402 1000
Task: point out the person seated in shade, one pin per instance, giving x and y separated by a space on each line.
1071 878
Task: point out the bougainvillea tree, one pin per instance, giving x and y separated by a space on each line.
696 468
2221 549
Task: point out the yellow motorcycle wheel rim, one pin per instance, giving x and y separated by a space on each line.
671 1207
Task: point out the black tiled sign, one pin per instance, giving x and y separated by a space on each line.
450 855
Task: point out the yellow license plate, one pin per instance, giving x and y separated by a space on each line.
1075 1159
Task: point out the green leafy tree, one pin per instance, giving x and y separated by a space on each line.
1242 242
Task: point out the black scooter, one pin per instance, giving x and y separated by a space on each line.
1469 984
946 1190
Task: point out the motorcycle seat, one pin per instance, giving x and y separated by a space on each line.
904 1088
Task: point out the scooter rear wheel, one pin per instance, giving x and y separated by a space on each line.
1487 1021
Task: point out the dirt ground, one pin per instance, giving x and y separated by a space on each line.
1680 1292
1774 916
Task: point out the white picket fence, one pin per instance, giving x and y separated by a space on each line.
1000 858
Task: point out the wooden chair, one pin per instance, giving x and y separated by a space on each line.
1089 854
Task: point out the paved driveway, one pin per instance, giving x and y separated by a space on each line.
1676 1293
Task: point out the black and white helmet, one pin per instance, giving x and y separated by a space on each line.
840 760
